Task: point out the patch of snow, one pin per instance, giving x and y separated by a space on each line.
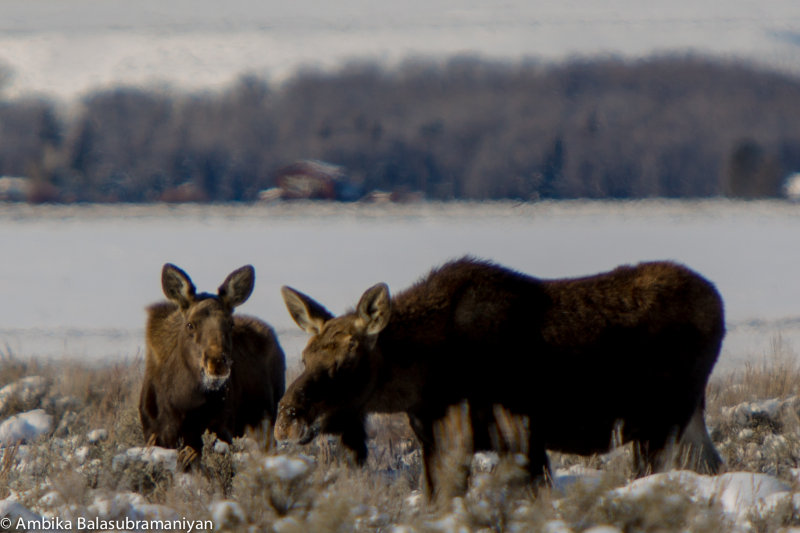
97 435
401 529
415 500
750 413
184 480
449 523
111 506
287 468
791 187
227 514
25 427
774 502
14 510
81 454
484 461
221 447
738 493
51 499
556 526
152 511
564 478
152 455
287 524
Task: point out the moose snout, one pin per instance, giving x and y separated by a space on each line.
216 370
288 427
216 363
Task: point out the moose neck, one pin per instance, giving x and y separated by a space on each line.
401 360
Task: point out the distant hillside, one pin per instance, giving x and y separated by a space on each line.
660 127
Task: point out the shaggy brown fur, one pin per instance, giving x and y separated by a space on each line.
206 368
626 352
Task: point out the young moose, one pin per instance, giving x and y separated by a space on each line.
626 352
206 368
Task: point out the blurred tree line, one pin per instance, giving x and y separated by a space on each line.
465 128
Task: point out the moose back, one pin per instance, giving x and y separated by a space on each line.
625 353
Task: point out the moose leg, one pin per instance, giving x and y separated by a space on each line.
429 469
354 438
190 450
654 454
696 449
424 432
187 458
512 434
693 449
538 463
644 460
450 457
432 471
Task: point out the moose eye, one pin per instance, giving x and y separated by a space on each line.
189 326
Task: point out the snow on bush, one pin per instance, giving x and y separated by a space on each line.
153 456
24 394
739 494
25 427
287 468
227 514
752 413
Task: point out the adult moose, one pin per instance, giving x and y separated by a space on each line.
206 368
625 353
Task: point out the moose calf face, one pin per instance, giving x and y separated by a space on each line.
339 363
208 339
206 336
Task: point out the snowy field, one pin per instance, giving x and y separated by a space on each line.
67 48
74 281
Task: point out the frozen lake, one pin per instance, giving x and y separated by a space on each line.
66 48
74 281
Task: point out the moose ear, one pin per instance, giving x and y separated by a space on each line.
375 308
307 312
237 287
177 286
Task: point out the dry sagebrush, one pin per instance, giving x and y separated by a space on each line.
325 493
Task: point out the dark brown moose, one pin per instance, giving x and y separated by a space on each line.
206 368
615 357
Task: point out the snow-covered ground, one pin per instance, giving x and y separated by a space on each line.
741 499
74 281
80 458
68 48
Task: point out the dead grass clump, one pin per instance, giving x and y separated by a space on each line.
667 508
217 463
151 480
782 515
754 415
273 487
776 375
582 504
390 437
494 500
13 369
111 395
